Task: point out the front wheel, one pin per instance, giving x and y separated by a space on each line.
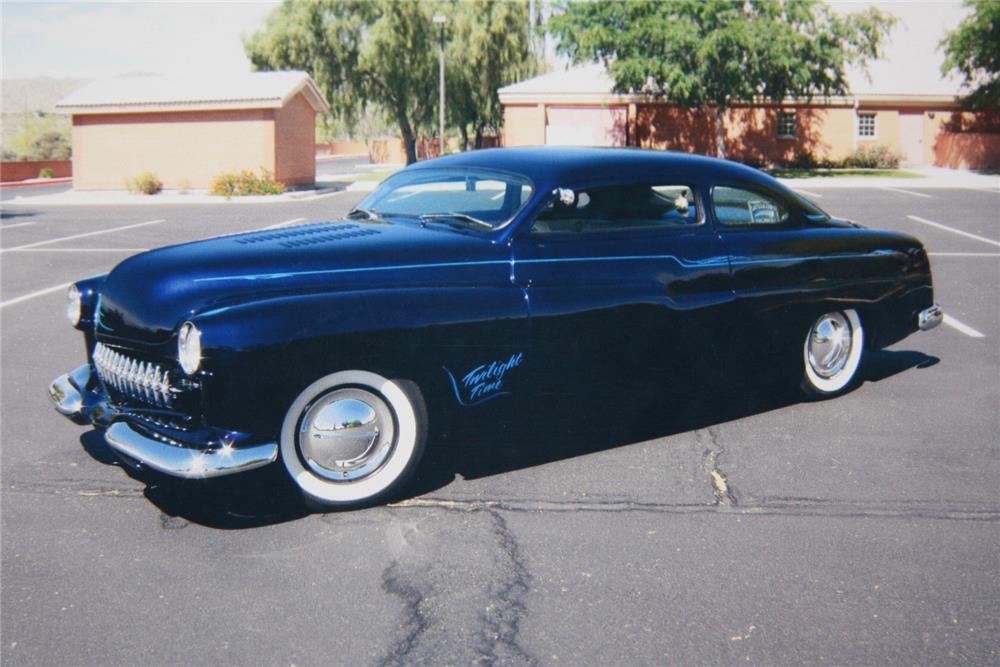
832 353
352 437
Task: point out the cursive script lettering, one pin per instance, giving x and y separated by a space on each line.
486 380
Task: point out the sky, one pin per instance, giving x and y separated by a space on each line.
96 40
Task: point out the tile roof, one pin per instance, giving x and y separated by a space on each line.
591 83
252 90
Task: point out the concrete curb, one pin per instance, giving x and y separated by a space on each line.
166 198
35 181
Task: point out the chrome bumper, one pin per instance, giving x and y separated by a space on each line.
930 317
184 462
66 391
71 398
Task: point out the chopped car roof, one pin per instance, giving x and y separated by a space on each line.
552 165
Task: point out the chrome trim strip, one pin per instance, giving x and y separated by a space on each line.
184 462
930 317
720 260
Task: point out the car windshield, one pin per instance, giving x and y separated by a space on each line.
467 198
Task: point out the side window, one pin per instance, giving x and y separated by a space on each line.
617 207
734 206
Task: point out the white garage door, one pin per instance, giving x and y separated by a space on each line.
586 126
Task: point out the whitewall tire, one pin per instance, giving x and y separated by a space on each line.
831 353
352 437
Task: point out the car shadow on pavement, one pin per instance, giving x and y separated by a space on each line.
498 438
6 214
254 498
531 433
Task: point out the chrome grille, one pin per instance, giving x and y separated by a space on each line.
141 380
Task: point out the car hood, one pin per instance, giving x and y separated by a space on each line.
147 296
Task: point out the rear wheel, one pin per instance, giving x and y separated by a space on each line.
832 353
353 437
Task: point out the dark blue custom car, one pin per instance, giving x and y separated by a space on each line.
466 280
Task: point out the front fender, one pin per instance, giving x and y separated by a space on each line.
258 356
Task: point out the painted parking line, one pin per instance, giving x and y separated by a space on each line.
32 295
19 224
953 230
79 249
906 192
80 236
963 327
284 224
811 194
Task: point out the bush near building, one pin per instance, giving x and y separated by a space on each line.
145 183
873 157
246 183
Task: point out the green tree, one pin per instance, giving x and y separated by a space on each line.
973 49
41 136
358 52
713 54
489 46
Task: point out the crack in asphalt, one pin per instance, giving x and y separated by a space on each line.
415 623
502 618
722 489
72 487
765 506
775 506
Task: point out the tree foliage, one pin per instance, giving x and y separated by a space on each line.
489 46
973 49
381 56
358 51
41 136
712 54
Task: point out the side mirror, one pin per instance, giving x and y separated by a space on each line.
566 196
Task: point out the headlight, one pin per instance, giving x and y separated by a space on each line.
189 348
74 305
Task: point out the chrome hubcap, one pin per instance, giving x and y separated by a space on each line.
346 435
829 344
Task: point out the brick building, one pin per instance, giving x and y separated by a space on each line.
188 130
577 106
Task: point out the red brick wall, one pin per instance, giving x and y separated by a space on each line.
972 150
20 171
342 147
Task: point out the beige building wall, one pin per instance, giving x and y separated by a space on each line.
295 142
524 125
181 148
886 128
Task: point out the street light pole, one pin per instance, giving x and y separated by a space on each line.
440 19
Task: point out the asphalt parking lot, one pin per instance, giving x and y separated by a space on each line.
862 530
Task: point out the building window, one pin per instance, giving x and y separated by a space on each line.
786 124
866 125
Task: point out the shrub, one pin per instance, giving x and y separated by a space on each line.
51 145
41 136
145 183
246 183
873 157
184 186
45 172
